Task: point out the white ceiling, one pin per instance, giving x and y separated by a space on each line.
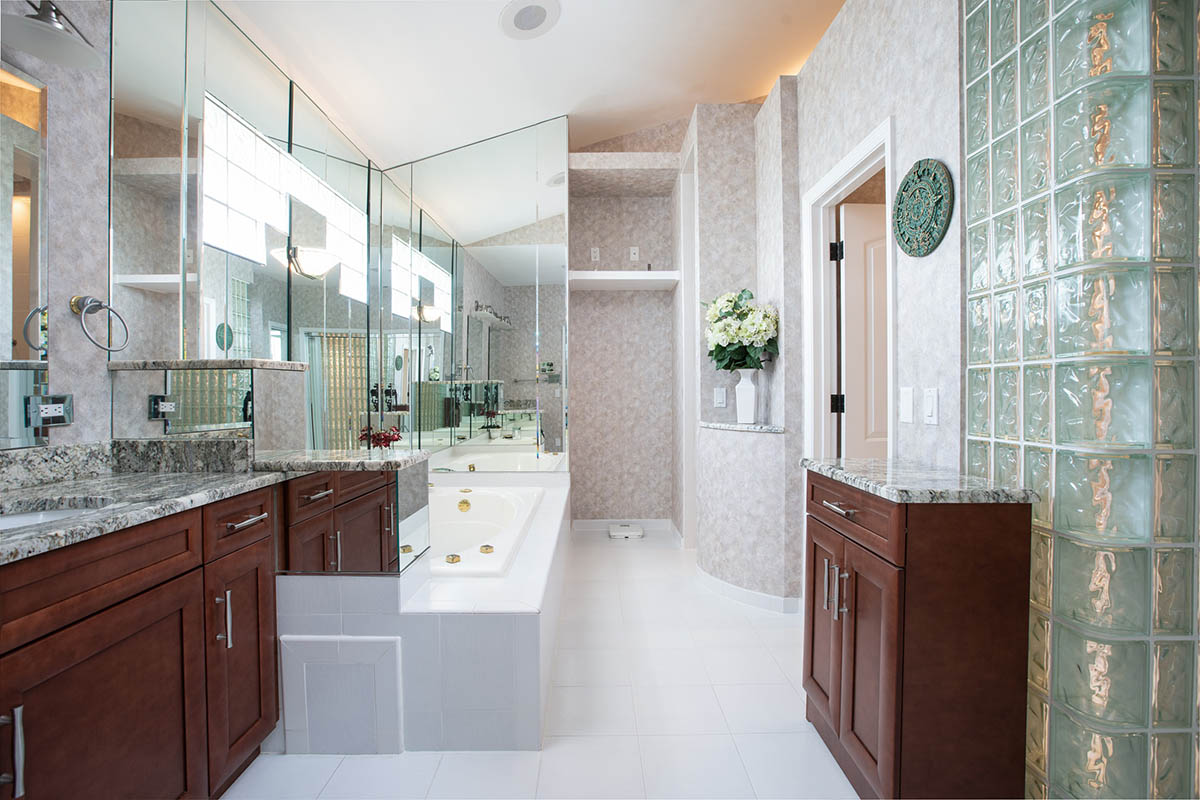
409 79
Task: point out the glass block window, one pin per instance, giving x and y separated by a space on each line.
1080 197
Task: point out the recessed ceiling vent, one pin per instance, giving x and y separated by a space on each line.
528 19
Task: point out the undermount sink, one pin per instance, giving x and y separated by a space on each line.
35 517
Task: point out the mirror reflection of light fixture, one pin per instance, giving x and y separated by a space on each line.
43 34
311 262
428 313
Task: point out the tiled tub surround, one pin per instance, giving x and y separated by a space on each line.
476 651
113 503
1080 140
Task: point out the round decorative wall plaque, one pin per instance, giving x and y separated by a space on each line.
924 202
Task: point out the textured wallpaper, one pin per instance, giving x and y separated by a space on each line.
614 224
622 405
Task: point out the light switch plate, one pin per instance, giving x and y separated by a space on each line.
929 411
633 254
719 397
595 254
906 404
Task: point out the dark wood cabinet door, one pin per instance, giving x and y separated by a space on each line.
310 544
239 592
359 533
112 706
822 634
870 684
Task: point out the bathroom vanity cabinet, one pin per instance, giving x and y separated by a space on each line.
142 663
916 639
341 522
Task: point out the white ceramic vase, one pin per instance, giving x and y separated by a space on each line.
746 396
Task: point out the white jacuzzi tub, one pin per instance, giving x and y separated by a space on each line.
495 459
495 517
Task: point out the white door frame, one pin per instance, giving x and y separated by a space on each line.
818 227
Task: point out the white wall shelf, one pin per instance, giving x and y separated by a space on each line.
162 283
614 280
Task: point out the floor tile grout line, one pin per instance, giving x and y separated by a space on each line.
332 772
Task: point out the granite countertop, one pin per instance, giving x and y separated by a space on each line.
748 427
912 482
113 503
376 459
207 363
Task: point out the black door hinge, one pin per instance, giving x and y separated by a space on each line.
837 403
837 251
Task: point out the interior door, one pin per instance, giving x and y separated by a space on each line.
360 533
240 653
113 705
864 330
870 683
822 634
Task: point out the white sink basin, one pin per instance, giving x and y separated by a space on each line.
8 521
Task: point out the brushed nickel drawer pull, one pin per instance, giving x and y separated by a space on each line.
839 576
227 636
310 498
825 601
17 777
839 509
246 523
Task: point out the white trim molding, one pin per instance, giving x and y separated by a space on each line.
817 225
769 602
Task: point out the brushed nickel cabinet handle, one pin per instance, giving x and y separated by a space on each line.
318 496
837 593
839 509
825 601
227 636
17 776
843 609
339 551
246 523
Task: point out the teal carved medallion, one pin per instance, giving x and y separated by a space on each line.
924 202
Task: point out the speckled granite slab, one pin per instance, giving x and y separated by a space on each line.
378 459
24 365
113 503
910 482
30 466
206 363
738 426
200 454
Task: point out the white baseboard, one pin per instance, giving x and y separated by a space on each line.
770 602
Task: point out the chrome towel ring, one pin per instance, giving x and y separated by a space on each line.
83 304
35 313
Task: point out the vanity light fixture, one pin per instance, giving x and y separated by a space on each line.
528 19
311 262
46 35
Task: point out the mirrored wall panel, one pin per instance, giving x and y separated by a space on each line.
489 270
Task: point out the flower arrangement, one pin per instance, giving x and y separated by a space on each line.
740 332
383 438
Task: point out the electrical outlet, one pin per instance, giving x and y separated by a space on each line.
719 397
906 404
633 254
167 407
51 410
930 414
595 254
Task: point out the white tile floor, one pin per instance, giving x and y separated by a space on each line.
661 689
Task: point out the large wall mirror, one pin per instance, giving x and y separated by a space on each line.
24 337
492 383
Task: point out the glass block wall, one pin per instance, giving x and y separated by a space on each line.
1080 134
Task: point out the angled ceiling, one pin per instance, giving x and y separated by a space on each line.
413 78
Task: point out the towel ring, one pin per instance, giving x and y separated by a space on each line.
83 304
43 345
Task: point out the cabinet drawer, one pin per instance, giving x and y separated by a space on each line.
310 495
238 521
353 484
873 522
47 592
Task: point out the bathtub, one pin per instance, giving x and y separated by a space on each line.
494 459
462 520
